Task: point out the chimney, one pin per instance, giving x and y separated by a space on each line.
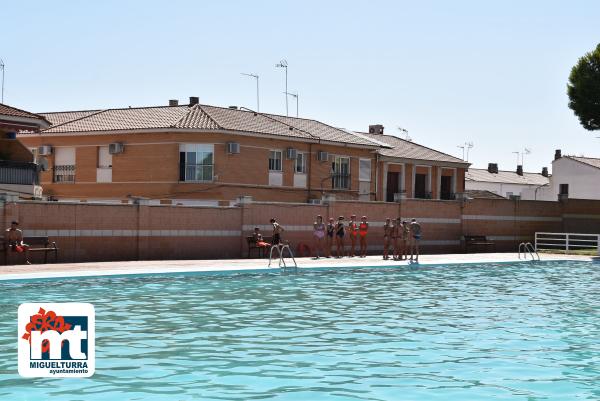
519 169
545 171
194 100
493 168
173 102
233 107
376 129
557 154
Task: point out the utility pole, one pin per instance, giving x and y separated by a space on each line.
2 66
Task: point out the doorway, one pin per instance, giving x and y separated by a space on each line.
393 186
420 186
446 188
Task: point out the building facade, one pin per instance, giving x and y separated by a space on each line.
205 155
506 183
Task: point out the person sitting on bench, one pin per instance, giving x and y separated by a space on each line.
14 237
258 239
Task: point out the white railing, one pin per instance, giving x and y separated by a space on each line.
566 241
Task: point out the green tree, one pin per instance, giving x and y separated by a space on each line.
584 90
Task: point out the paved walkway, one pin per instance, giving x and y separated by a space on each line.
175 266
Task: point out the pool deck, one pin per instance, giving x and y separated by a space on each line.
57 270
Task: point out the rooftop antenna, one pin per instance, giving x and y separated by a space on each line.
257 97
405 133
518 155
468 145
284 64
526 151
2 66
463 150
295 96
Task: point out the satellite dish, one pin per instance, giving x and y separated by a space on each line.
43 163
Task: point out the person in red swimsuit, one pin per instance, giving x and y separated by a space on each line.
363 229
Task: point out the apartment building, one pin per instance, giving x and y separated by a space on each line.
199 154
18 173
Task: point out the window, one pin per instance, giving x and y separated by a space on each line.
196 162
275 160
364 170
300 163
64 165
104 157
340 177
563 189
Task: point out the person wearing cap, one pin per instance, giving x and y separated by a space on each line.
353 233
14 237
363 229
415 232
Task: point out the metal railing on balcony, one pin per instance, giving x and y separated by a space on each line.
340 181
64 173
447 196
18 173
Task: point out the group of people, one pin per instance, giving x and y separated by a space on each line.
399 236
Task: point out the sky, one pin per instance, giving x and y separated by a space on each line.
449 72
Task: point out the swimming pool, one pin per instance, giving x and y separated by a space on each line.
519 331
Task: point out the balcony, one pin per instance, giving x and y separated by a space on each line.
340 181
18 173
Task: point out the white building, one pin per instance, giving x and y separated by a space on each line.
572 177
505 183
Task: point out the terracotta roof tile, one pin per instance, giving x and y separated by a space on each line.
10 111
410 150
591 161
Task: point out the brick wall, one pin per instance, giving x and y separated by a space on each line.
95 232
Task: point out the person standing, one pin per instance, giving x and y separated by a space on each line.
277 230
353 233
388 229
415 232
363 229
340 232
396 237
405 240
14 237
330 235
319 236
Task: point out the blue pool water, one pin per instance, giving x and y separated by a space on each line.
458 332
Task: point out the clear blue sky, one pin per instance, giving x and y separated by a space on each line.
448 71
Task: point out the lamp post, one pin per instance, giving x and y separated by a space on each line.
295 96
284 64
257 97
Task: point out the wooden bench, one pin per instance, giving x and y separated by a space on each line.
260 250
477 241
36 244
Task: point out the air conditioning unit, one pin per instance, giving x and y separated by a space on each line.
328 199
233 147
291 153
45 150
314 201
322 156
115 148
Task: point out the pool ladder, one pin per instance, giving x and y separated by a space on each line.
527 247
280 250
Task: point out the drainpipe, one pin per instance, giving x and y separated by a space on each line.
376 174
310 155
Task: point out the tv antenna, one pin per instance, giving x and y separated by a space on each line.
257 97
405 133
295 96
465 148
284 64
2 66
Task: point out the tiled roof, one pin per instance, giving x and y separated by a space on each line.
409 150
505 177
591 161
202 117
482 194
6 110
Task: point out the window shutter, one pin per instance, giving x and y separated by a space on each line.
181 166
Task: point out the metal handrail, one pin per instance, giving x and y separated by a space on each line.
280 249
528 247
566 241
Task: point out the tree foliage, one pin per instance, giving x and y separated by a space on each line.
584 90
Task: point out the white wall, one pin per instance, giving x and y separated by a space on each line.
583 179
498 188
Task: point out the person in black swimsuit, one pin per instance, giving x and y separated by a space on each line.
340 231
330 233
